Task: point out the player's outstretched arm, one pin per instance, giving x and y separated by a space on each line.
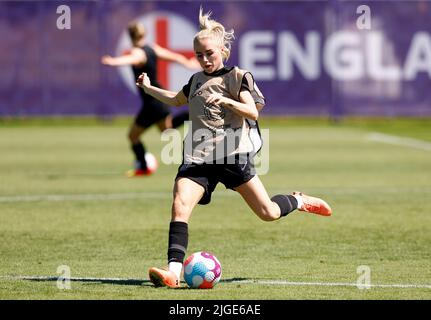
168 97
168 55
135 57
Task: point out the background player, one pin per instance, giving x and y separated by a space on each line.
143 58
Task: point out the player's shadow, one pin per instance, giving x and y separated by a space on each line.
123 282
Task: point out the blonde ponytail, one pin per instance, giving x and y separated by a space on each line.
210 28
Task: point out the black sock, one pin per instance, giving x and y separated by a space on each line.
139 151
179 119
178 241
287 203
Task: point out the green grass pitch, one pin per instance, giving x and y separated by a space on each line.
65 201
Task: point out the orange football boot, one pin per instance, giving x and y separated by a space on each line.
313 205
138 173
161 278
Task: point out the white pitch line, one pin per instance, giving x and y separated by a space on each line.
92 197
84 197
261 282
332 284
168 195
399 141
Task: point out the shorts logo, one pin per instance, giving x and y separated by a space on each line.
171 31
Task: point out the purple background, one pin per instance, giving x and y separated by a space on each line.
46 71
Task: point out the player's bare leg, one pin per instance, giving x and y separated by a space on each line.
269 209
135 132
187 194
254 193
138 148
165 123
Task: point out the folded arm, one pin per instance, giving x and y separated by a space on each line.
246 107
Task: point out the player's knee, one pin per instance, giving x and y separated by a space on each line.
268 213
133 137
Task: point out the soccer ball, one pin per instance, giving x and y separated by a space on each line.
202 270
151 160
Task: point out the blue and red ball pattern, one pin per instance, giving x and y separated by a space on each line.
202 270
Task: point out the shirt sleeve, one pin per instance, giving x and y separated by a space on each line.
187 87
248 84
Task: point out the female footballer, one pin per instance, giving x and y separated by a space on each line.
222 101
143 58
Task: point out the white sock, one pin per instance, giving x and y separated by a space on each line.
299 199
176 267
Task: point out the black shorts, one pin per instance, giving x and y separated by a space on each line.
209 175
152 111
